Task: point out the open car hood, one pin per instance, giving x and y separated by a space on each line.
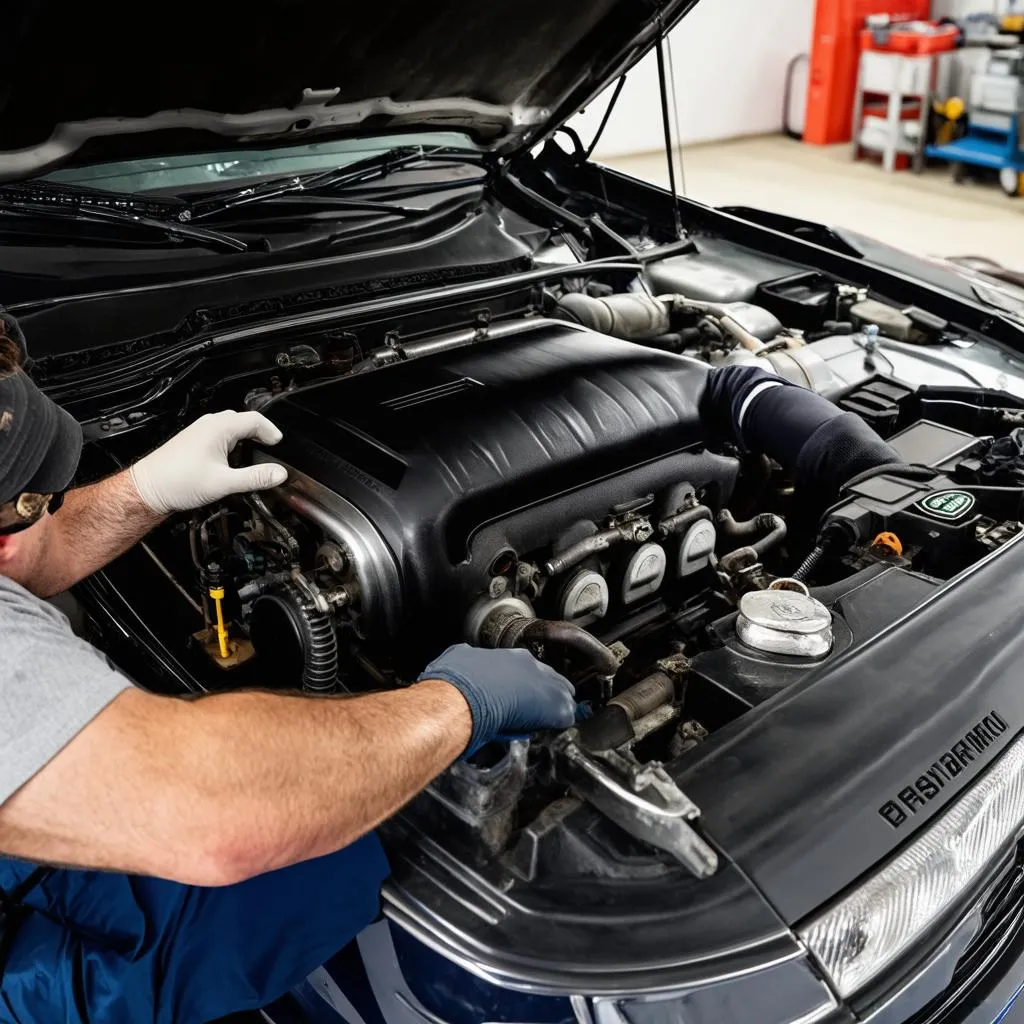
86 84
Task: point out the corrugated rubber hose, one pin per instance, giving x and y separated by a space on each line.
805 433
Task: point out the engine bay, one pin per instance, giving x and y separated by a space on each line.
580 495
687 475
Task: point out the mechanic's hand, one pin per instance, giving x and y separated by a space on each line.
509 692
191 469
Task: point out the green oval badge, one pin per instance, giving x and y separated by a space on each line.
947 505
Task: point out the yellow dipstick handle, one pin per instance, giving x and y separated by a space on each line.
217 593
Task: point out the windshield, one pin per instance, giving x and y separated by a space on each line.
176 173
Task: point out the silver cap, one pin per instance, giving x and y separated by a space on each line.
785 622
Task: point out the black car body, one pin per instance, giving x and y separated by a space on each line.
779 837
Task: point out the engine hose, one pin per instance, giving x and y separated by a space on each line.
805 433
629 315
741 558
809 564
772 526
645 696
320 673
834 537
292 637
612 726
511 630
681 521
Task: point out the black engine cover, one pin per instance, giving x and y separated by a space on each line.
465 453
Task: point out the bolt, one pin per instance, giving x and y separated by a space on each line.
340 597
644 531
499 586
334 557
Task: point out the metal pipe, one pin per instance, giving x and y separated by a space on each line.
638 531
257 502
612 726
749 341
167 572
629 315
401 351
643 697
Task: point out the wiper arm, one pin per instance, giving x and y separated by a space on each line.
377 166
168 229
340 203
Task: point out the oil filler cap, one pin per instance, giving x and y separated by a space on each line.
785 622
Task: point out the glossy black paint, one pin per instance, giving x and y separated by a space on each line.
125 305
794 789
539 61
585 934
863 606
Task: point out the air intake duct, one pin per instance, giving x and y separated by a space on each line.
820 444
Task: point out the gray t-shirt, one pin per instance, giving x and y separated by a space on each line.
52 684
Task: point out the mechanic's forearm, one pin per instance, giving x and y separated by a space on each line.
296 778
212 791
95 524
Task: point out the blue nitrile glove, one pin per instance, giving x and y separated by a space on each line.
509 692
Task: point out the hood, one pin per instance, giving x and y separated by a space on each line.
85 83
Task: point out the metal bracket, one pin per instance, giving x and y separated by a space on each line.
642 799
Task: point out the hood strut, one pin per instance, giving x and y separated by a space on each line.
667 128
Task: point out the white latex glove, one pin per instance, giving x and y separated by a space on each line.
191 469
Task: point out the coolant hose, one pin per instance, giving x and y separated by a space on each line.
772 527
612 726
820 444
512 630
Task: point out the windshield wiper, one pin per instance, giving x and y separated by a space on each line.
170 230
380 165
319 202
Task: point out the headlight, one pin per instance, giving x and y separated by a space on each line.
864 932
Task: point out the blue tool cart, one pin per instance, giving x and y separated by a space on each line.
995 113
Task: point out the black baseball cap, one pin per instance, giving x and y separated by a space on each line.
40 443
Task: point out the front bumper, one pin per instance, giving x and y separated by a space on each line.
975 975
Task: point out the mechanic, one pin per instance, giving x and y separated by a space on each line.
218 848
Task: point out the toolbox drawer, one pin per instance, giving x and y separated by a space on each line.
891 72
996 93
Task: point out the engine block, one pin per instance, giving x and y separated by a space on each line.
437 476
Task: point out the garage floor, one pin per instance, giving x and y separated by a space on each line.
926 214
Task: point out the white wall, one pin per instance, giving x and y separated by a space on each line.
730 59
